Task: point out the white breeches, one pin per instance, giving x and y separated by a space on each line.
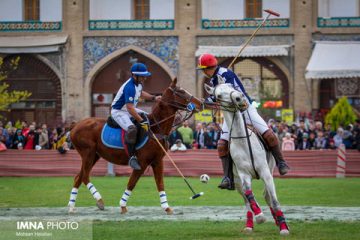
255 119
122 117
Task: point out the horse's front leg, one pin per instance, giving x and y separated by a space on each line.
272 201
254 206
135 175
249 225
158 169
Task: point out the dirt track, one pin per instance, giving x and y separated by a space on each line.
180 213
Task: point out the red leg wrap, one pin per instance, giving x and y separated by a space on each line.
281 220
253 204
274 216
249 220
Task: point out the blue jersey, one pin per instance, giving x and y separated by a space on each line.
230 77
129 92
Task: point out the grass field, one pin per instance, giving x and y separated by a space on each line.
54 192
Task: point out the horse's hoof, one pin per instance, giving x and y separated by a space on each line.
123 210
169 211
72 210
248 230
284 232
260 218
100 204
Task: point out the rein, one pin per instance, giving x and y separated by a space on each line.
179 106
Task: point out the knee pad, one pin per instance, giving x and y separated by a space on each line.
223 148
130 136
270 138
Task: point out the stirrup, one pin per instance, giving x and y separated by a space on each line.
134 163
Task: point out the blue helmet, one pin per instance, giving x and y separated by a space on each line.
140 69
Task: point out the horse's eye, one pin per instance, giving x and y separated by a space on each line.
237 99
218 96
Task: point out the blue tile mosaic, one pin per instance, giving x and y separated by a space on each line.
96 48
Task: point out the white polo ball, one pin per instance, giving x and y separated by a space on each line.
204 178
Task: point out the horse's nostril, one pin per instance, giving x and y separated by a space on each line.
237 99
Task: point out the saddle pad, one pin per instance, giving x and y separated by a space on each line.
112 138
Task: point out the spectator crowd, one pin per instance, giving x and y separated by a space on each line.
33 136
305 135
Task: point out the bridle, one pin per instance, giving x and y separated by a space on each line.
230 106
188 106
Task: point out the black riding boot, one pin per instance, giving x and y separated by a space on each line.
273 143
130 139
133 161
228 180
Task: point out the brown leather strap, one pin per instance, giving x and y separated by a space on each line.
223 148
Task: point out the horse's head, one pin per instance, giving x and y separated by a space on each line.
181 99
228 97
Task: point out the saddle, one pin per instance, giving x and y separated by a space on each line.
113 136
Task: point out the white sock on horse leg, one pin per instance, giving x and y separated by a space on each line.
163 200
125 198
73 196
93 191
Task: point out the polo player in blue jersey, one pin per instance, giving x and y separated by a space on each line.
124 106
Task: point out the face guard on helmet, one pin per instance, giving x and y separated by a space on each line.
207 60
140 69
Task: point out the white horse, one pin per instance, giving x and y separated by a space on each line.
262 163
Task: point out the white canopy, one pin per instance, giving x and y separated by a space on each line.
249 51
335 59
31 44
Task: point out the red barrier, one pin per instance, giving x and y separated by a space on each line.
191 163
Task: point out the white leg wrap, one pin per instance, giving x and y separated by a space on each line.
73 196
126 195
163 200
93 191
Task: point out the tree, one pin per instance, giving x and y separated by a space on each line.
341 114
9 97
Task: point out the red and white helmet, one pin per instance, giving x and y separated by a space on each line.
207 60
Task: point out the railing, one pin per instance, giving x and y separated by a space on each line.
335 22
155 24
30 26
311 163
244 23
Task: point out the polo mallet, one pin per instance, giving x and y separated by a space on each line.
270 12
196 195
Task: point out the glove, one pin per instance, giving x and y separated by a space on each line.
145 125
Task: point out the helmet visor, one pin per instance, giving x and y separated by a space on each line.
142 74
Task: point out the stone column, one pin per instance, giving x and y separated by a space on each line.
73 87
302 25
186 19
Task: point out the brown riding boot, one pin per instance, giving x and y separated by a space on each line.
273 143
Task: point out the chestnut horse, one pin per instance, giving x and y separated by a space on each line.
86 138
